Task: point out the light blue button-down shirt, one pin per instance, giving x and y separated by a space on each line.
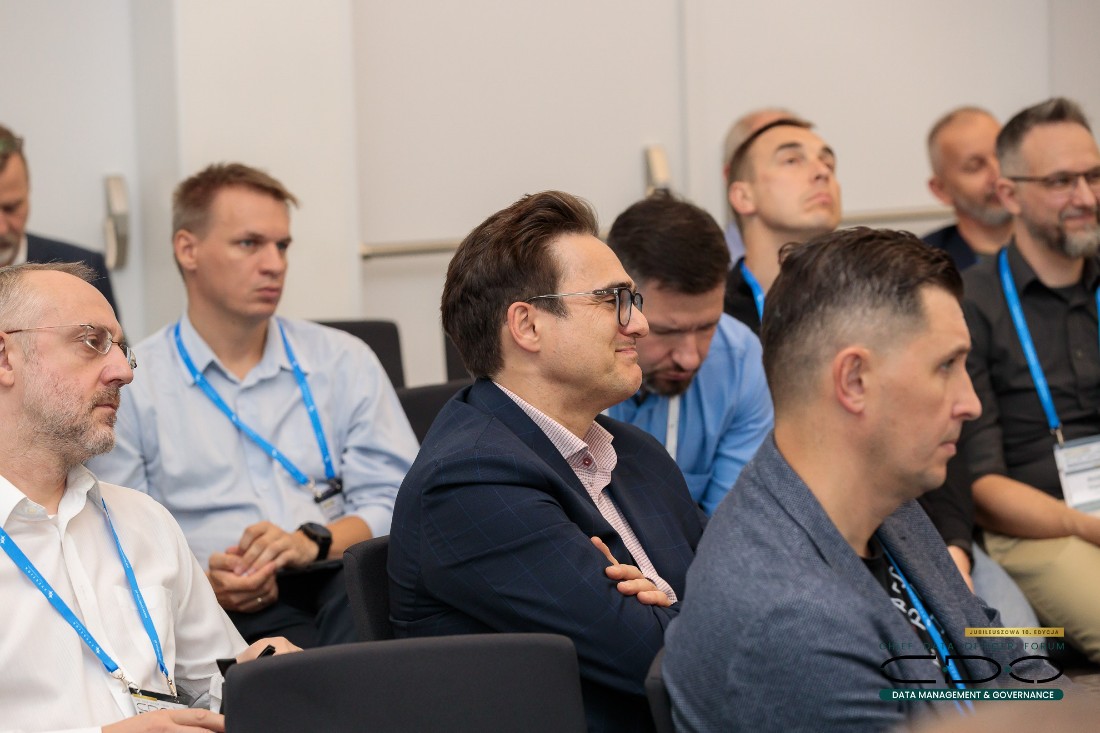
176 445
724 415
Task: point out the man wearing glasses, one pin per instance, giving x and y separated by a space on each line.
704 395
85 561
274 442
524 500
1035 364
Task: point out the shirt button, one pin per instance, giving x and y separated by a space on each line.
587 461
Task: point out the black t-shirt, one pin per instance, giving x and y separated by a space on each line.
889 578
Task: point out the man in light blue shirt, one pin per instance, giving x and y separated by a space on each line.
275 443
704 394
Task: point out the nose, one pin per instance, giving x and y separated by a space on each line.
686 354
117 371
637 326
968 406
1083 195
273 259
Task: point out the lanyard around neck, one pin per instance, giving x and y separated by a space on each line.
757 291
307 398
929 626
1023 333
24 564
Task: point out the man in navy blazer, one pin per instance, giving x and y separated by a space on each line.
820 583
526 510
16 244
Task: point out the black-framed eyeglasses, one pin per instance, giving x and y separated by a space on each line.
626 300
97 338
1063 182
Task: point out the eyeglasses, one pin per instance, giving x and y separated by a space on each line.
626 300
97 338
1063 182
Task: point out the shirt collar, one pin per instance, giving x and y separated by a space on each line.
271 363
80 486
1024 274
564 440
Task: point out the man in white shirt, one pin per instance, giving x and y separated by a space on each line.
102 598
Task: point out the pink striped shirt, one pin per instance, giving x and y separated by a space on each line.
593 459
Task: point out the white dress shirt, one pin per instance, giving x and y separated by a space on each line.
49 679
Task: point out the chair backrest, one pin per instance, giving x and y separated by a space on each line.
383 339
422 404
660 704
481 683
369 588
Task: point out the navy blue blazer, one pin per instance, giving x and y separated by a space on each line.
40 249
491 532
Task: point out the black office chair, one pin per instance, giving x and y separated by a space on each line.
422 404
369 588
483 683
383 339
660 705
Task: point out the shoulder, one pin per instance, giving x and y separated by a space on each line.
325 346
44 248
134 509
940 237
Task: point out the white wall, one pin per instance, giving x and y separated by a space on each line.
402 122
67 88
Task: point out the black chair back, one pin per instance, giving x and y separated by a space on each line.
660 705
369 588
479 683
383 339
422 404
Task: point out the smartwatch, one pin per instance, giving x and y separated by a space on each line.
320 534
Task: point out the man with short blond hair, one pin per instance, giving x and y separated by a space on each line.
275 442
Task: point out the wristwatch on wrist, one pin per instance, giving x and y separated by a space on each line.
319 534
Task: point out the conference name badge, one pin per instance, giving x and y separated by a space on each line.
1079 471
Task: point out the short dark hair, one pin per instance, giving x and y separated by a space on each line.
1053 111
673 242
10 144
857 283
506 259
193 197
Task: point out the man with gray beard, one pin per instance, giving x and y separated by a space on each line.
962 149
1035 364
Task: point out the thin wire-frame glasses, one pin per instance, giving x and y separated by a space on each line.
97 338
626 300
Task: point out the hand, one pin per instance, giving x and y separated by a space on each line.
282 646
263 543
962 560
242 593
185 720
631 581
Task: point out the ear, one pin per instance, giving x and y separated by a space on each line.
522 325
184 245
1006 192
850 372
7 367
741 198
935 185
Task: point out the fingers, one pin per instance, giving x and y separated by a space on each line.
264 542
653 598
245 593
602 547
184 720
623 572
281 644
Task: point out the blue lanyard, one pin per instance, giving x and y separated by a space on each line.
929 626
307 398
23 563
757 291
1012 298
